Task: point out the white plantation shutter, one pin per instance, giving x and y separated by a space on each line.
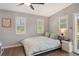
20 24
40 26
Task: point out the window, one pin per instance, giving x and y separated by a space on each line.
64 22
40 26
20 25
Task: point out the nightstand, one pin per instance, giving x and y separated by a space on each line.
67 46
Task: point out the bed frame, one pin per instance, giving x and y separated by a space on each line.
40 52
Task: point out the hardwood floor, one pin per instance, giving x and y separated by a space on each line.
16 51
19 51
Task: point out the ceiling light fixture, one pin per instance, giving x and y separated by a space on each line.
27 4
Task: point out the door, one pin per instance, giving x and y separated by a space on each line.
76 34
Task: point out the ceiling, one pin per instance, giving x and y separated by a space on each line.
47 9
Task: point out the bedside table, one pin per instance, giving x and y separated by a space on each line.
67 46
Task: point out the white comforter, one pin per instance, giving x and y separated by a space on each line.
36 44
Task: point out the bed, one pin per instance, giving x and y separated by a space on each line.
37 45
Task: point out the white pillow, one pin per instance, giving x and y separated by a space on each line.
47 34
51 36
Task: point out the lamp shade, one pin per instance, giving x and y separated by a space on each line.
63 31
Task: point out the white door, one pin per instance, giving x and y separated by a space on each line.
76 33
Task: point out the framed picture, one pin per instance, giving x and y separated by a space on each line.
6 22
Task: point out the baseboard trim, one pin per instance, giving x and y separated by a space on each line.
10 46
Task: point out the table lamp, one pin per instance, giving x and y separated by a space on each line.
63 32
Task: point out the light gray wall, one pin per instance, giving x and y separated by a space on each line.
8 35
54 19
